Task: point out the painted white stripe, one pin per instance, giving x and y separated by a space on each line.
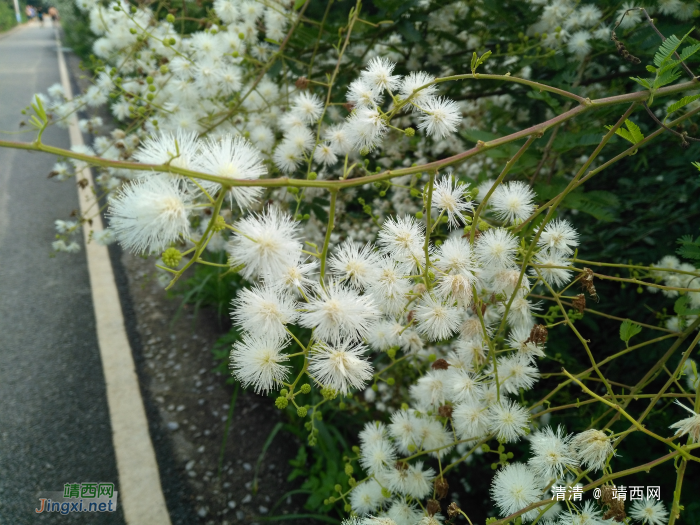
139 480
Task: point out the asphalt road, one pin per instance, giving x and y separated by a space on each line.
54 420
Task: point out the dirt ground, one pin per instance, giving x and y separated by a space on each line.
191 407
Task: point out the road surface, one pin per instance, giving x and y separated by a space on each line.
54 419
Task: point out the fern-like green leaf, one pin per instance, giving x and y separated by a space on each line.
632 133
642 82
667 78
681 103
689 51
666 49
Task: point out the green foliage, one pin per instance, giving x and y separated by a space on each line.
632 134
628 330
689 249
478 60
323 470
680 104
681 306
667 69
7 15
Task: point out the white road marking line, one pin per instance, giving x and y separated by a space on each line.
139 480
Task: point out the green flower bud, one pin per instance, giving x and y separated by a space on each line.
151 88
312 176
342 406
301 411
132 31
163 69
347 507
293 190
150 96
219 224
329 393
382 193
390 381
375 387
386 493
281 402
432 358
305 388
485 448
419 215
170 18
306 217
391 352
364 152
348 469
355 449
411 448
172 257
338 488
241 35
409 132
494 466
318 415
284 392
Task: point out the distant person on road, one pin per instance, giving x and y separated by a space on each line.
40 16
30 12
53 13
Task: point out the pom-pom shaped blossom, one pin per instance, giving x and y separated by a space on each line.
149 214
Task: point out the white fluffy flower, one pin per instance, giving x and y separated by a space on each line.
149 214
649 512
339 314
553 269
403 513
513 200
340 367
593 448
358 265
264 243
449 196
455 256
308 107
263 310
232 158
471 419
378 74
437 321
455 286
579 44
361 94
429 391
496 248
560 236
402 239
689 425
439 117
516 372
508 420
404 429
366 497
515 487
377 456
256 360
178 150
365 128
551 453
390 287
413 81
